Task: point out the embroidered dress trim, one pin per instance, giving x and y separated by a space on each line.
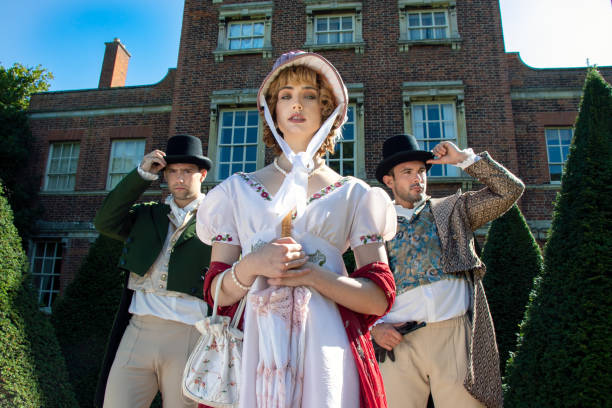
221 238
366 239
326 190
255 185
259 188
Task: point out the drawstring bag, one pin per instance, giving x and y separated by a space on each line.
212 373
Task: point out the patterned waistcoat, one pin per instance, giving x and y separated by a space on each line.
415 254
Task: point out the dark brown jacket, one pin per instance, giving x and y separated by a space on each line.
456 217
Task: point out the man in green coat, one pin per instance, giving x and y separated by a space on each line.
165 263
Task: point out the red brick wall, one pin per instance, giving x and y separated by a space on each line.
120 97
532 117
74 253
95 135
512 130
523 76
480 64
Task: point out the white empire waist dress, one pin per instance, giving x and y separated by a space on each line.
296 351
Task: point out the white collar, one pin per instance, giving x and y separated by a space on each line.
407 212
180 213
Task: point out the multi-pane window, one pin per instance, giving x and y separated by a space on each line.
343 159
125 156
45 266
237 150
558 141
433 123
245 35
427 25
61 166
334 29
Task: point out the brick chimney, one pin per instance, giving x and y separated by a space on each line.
115 65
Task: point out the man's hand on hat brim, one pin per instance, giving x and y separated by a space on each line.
153 162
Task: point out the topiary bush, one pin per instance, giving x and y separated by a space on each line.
84 314
32 369
563 353
513 259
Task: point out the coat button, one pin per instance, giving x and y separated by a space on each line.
164 276
125 250
122 262
193 291
129 240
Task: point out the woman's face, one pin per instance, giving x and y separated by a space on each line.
298 113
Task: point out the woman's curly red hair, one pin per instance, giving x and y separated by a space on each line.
302 74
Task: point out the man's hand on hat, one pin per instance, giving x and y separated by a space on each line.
153 162
447 153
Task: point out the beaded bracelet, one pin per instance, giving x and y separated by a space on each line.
235 279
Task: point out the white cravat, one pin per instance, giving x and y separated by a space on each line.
293 191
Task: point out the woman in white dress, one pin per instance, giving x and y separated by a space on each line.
306 339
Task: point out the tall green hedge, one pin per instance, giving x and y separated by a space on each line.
32 369
563 356
513 259
17 84
84 315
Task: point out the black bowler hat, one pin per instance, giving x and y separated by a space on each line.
186 149
399 149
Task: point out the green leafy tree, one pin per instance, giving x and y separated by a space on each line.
83 315
32 369
17 84
513 260
563 354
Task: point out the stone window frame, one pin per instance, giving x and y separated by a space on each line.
332 8
228 99
244 12
53 278
72 164
237 151
437 92
109 185
356 99
407 6
252 37
560 146
339 148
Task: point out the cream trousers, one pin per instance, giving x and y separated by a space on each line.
151 357
430 359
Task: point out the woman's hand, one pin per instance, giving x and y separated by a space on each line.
280 258
305 275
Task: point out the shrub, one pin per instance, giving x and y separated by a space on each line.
513 259
563 352
84 315
32 369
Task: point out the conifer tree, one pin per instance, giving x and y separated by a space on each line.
32 369
83 316
563 352
513 259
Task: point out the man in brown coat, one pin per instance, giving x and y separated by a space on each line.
439 337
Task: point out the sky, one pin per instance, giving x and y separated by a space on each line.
67 36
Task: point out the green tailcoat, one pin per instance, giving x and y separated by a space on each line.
143 228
